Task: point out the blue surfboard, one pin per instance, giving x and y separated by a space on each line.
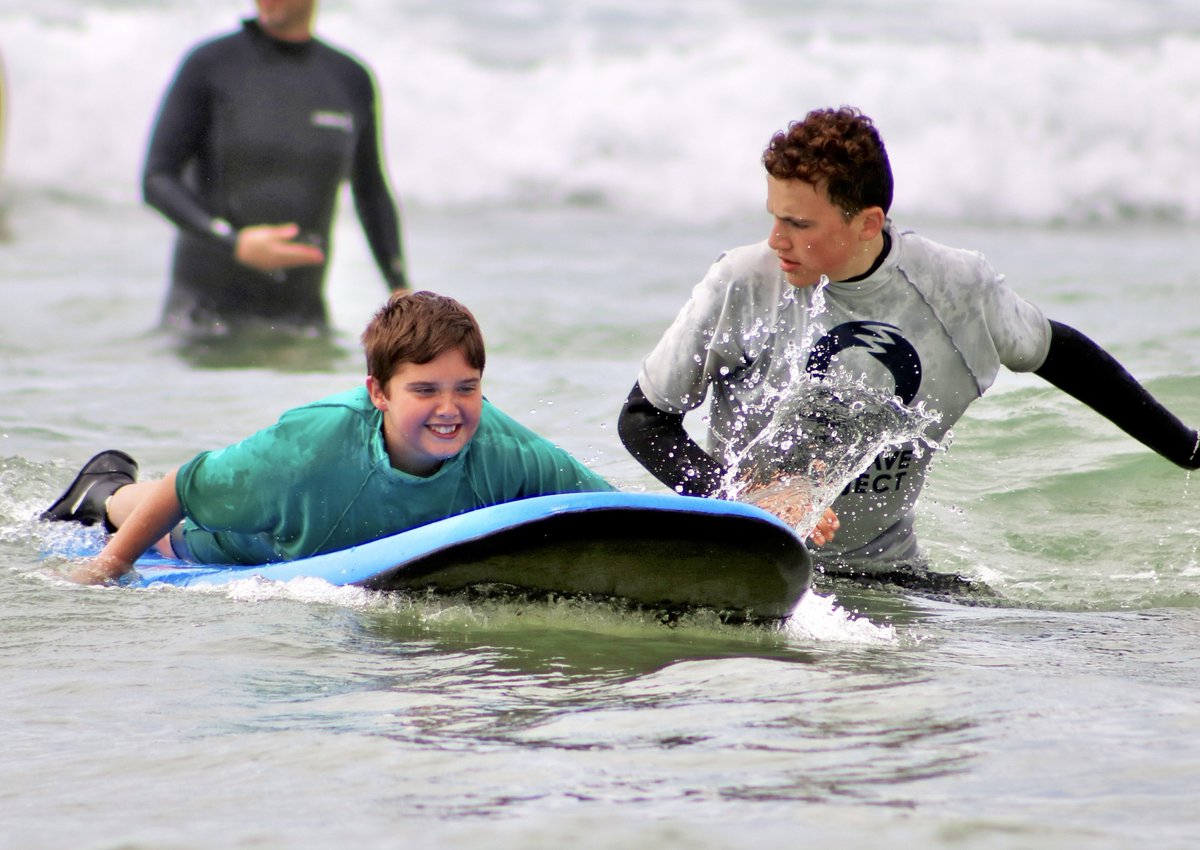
653 550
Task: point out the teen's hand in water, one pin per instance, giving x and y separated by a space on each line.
784 504
271 247
826 528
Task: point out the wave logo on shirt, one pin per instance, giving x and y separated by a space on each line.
329 119
882 341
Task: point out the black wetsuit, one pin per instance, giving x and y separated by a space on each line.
252 131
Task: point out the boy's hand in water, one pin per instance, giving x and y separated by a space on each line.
97 570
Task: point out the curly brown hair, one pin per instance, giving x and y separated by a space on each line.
839 149
416 328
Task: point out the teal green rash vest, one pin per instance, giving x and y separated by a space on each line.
320 480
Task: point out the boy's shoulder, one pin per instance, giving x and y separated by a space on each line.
353 404
355 397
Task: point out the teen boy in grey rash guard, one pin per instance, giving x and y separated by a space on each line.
933 324
253 140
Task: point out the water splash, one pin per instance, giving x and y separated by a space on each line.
822 433
821 618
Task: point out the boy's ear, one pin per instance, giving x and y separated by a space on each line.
375 391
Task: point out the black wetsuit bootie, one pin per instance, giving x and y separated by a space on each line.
83 501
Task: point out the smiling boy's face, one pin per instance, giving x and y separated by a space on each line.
430 411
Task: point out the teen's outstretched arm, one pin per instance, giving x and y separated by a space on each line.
1084 370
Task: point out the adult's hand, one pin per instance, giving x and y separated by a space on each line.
271 247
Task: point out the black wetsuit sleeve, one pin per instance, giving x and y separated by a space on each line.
179 131
1082 369
375 204
659 442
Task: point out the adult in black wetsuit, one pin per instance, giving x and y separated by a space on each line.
253 140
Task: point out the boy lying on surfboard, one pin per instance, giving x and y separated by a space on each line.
417 443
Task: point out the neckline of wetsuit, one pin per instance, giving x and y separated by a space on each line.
288 48
887 246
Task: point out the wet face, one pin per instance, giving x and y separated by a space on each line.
813 237
430 411
289 20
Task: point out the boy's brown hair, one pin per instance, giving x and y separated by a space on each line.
416 328
838 149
